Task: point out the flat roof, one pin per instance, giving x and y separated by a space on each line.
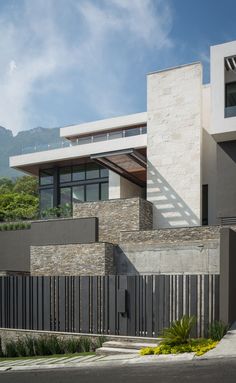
104 125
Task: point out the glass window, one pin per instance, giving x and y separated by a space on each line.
92 192
99 137
65 174
84 140
78 194
92 171
65 196
46 199
78 173
144 130
46 177
104 191
230 98
132 132
103 172
114 135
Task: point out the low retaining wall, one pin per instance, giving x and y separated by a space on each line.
15 244
77 259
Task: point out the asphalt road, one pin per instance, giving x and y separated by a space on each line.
217 371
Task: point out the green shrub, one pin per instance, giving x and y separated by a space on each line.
54 345
217 330
72 345
198 346
41 346
10 349
98 342
1 350
179 331
86 344
29 345
21 349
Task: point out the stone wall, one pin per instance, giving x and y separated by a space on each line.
77 259
194 233
115 216
174 99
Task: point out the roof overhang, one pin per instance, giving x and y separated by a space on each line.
128 163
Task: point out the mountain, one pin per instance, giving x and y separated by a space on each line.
12 145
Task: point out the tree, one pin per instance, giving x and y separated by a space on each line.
26 185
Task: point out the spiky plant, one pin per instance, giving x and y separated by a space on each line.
217 330
179 331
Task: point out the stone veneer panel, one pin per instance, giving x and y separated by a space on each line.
194 233
116 215
174 146
76 259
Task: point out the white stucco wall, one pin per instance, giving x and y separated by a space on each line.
120 187
174 145
222 128
209 156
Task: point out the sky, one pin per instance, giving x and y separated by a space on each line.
65 62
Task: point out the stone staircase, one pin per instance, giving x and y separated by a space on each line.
126 345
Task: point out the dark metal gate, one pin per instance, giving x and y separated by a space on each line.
115 305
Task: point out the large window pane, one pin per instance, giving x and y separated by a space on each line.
78 193
104 191
92 192
65 197
46 177
92 171
46 199
78 173
65 174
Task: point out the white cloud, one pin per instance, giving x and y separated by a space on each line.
39 43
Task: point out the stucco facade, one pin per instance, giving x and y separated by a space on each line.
179 154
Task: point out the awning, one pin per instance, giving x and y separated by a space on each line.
128 163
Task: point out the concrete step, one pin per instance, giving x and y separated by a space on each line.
128 345
131 339
125 347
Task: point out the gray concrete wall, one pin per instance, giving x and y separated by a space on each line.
114 216
15 250
15 244
199 257
226 179
77 259
189 250
64 231
227 275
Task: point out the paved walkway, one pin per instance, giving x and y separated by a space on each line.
89 361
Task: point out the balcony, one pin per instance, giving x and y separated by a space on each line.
124 133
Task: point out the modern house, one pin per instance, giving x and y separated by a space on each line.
171 167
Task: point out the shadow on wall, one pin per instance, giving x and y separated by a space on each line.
169 209
123 265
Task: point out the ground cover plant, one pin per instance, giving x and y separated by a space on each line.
177 339
28 346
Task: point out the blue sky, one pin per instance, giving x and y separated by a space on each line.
69 61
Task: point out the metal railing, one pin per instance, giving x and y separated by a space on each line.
63 143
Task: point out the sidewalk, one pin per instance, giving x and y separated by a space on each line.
90 361
226 347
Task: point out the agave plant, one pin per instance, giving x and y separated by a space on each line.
179 331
